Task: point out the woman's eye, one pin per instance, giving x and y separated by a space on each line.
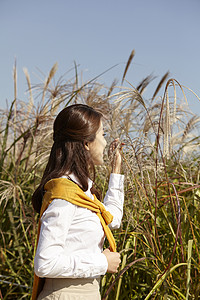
104 134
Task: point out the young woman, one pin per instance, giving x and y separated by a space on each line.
73 224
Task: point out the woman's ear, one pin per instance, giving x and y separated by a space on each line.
86 144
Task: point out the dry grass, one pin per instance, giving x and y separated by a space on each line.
161 167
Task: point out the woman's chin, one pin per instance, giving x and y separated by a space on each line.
99 162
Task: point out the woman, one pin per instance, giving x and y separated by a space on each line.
73 222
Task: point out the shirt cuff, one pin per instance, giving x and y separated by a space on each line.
116 181
103 263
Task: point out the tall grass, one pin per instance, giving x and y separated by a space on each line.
159 236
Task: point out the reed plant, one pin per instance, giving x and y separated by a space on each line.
159 235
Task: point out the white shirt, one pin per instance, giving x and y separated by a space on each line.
71 237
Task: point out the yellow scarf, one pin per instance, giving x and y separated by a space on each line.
62 188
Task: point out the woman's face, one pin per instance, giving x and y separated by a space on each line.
97 147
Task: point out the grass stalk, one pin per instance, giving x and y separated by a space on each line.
162 278
16 240
123 264
190 242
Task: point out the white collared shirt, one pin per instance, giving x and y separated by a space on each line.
71 237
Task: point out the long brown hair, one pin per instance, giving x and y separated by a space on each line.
74 126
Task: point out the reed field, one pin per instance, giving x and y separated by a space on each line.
159 238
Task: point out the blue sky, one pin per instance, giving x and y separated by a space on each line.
98 35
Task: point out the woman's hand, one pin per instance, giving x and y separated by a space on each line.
115 155
113 259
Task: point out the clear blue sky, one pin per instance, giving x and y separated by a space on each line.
98 35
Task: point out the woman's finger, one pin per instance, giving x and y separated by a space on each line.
116 144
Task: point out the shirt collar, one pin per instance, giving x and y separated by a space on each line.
75 179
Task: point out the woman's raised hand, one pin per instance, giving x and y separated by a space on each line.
115 155
113 259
